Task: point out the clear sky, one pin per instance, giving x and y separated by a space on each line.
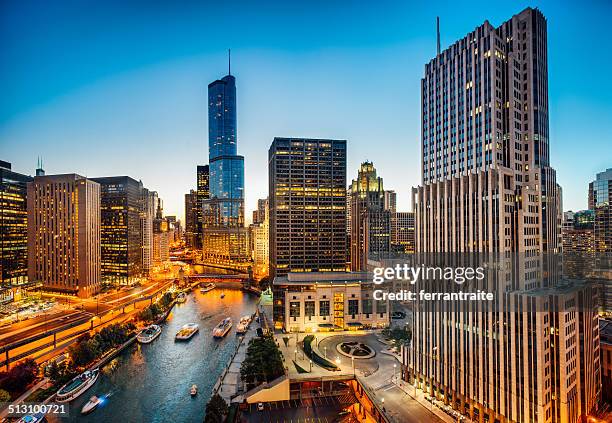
114 88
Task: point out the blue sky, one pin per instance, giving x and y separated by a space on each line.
113 88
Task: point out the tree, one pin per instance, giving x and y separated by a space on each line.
263 362
5 396
216 410
20 376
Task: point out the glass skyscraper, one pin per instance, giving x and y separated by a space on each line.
224 235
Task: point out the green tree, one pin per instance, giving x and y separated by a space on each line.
5 396
216 410
263 362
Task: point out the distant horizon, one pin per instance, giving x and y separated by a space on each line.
129 99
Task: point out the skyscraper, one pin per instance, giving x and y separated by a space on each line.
402 232
148 201
488 189
203 193
64 234
600 201
191 219
370 219
224 234
307 179
121 230
13 231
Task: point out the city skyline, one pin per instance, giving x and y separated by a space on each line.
338 64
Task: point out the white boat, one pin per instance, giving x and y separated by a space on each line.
194 390
207 287
149 334
243 325
187 331
222 328
223 295
181 298
77 386
91 405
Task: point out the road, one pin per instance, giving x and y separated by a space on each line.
312 410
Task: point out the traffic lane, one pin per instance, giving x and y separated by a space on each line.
402 408
79 317
33 321
312 410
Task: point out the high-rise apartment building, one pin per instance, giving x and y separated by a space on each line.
370 219
191 219
203 193
402 232
488 189
64 234
307 194
13 231
121 236
224 235
600 201
161 235
577 232
148 200
260 233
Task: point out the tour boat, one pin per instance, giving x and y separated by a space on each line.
243 325
222 328
181 298
187 331
149 334
207 287
194 390
77 386
91 405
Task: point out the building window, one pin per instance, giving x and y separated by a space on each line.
353 307
309 309
366 306
381 307
324 308
294 309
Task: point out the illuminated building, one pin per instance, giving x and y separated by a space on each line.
203 193
121 230
391 201
488 188
147 214
260 241
307 195
370 220
605 333
321 302
600 201
402 232
161 235
191 219
64 234
224 235
13 231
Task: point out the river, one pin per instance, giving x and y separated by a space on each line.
150 383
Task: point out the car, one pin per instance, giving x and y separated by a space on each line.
260 406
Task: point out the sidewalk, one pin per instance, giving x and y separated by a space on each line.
23 396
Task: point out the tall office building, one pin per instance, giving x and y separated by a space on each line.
577 232
260 234
307 193
260 214
402 232
224 235
370 219
391 201
600 201
531 354
13 231
161 235
64 234
191 219
121 230
147 214
203 193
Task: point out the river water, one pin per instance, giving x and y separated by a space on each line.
150 383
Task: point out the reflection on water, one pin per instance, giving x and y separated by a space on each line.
150 383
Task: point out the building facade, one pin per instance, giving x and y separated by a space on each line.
307 194
402 232
320 302
64 234
260 234
370 219
13 232
224 234
121 236
600 201
203 194
191 219
488 189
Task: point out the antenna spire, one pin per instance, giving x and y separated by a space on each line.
438 33
229 61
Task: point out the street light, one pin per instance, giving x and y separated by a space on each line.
353 364
325 348
295 355
394 367
311 366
